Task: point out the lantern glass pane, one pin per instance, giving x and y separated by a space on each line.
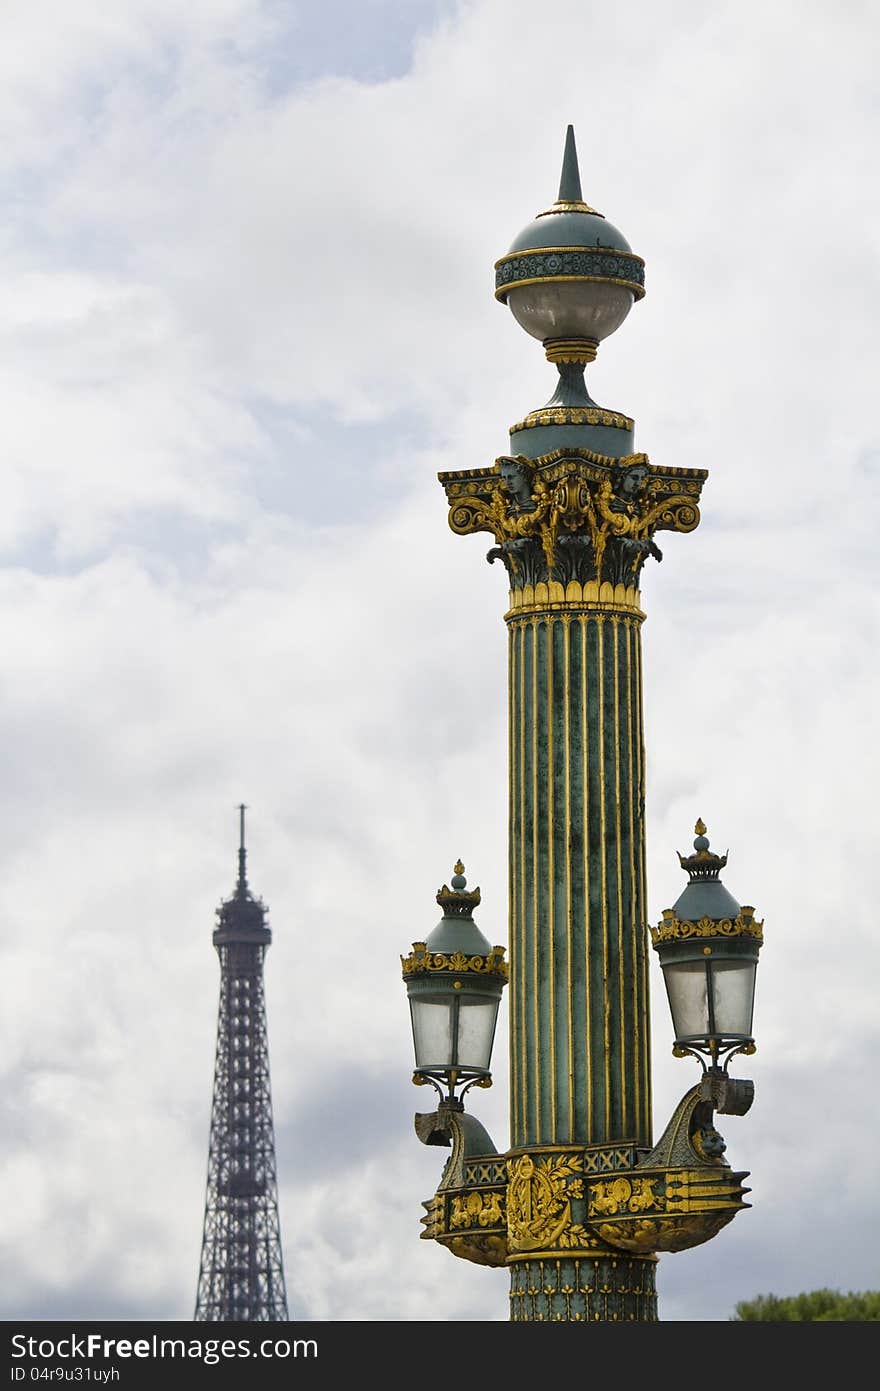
476 1031
432 1032
733 992
688 999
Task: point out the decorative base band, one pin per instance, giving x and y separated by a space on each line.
585 1289
580 350
574 597
546 416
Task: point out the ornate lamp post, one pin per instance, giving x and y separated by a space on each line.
582 1201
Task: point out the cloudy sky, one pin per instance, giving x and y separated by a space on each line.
247 315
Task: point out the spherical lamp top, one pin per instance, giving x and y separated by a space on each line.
570 277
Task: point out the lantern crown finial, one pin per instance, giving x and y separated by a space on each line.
456 902
456 944
703 864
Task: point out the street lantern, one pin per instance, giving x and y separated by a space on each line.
708 947
454 982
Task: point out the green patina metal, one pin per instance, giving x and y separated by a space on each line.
569 240
570 417
609 1289
577 897
535 440
575 264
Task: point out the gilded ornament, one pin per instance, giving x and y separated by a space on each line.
568 205
433 1219
572 517
482 1248
574 597
477 1209
568 350
665 1234
708 1144
420 959
693 1206
673 929
624 1195
539 1202
555 263
573 415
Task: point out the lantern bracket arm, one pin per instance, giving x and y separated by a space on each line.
432 1129
690 1138
451 1125
729 1096
683 1191
465 1216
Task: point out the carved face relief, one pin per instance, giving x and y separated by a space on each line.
515 476
633 480
708 1144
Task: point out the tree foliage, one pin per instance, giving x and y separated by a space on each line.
817 1306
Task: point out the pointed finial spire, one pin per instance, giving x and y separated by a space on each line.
570 199
241 886
570 181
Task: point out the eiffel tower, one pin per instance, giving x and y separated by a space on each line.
241 1275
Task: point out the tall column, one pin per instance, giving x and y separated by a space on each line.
573 512
573 528
579 1058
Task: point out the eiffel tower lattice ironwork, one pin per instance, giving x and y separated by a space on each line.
241 1274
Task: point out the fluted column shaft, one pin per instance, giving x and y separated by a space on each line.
579 1045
